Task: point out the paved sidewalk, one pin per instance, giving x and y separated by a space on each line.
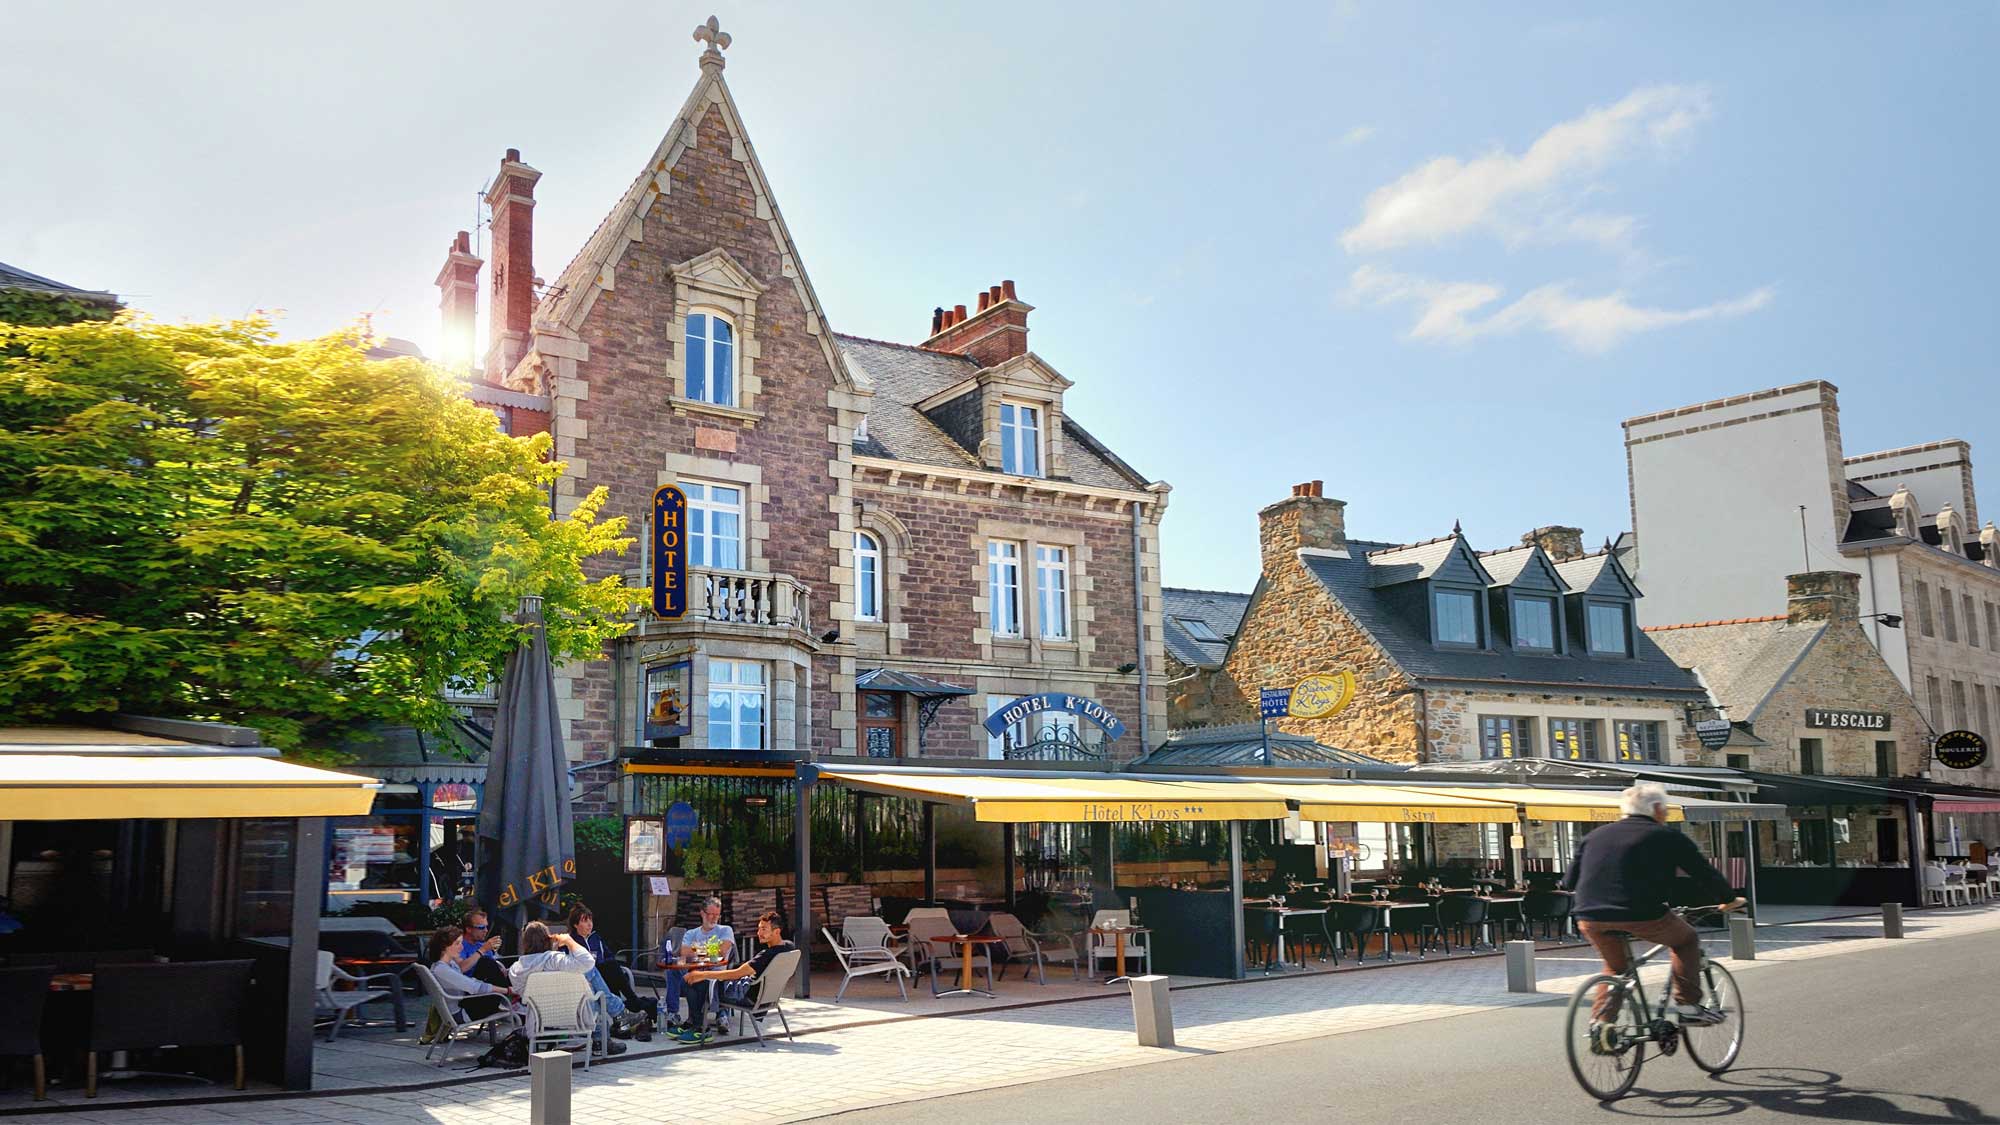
856 1067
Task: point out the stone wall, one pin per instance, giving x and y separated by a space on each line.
1454 718
1968 656
1842 671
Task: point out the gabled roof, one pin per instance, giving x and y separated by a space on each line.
903 376
565 304
1508 565
1391 566
1221 612
1406 639
1741 661
1600 573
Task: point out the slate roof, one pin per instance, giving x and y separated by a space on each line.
1741 661
1223 612
1240 744
1505 565
1407 640
903 376
1392 564
14 277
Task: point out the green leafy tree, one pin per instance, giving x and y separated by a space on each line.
206 521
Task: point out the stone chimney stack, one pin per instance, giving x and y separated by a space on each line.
1306 518
1559 543
511 200
1823 595
1989 545
458 301
995 333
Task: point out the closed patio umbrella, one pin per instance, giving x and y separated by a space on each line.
526 843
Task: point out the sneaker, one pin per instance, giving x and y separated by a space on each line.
691 1035
1603 1038
615 1048
1695 1014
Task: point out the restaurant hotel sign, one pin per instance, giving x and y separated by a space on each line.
1151 812
1081 706
669 553
1833 719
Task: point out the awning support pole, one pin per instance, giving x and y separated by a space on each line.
1102 880
930 852
1913 827
802 884
1007 863
1750 839
1237 970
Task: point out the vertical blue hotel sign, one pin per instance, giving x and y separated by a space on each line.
669 552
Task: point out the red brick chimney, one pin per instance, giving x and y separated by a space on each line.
512 202
995 333
458 301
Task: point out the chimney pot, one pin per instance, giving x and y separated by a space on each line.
996 294
985 299
957 313
1007 287
1319 488
1307 519
1559 543
937 320
513 155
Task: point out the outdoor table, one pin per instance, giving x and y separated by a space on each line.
1491 900
1283 912
1118 938
965 942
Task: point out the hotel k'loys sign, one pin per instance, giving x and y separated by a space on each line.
1081 706
1835 719
1149 812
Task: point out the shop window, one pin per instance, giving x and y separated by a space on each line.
736 704
1888 849
1573 739
1811 760
1885 758
1637 741
1502 736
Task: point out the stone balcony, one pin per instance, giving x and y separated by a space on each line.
740 597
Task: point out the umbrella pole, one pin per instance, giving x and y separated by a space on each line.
802 841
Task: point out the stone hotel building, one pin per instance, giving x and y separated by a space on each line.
887 541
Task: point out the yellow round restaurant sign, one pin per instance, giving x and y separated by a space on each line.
1316 697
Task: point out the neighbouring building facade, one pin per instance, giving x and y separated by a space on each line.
1528 652
887 544
1905 521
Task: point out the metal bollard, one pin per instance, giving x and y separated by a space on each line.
1520 966
1153 1011
548 1092
1892 919
1742 937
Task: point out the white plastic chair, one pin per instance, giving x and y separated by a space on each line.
864 931
563 1011
765 997
1104 947
862 961
1042 949
1938 888
365 990
453 1027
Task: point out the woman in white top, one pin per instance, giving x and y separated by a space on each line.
543 952
474 998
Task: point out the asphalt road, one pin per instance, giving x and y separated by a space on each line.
1906 1034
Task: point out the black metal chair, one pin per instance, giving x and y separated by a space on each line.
1419 921
1358 922
188 1004
1260 935
23 993
1462 915
1506 916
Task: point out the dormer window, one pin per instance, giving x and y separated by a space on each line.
1020 439
1455 614
1610 628
711 359
1534 623
1199 630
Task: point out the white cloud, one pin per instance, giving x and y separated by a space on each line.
1447 310
1357 135
1448 196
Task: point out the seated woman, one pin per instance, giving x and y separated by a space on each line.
610 979
475 999
543 952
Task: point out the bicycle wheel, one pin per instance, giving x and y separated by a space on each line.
1605 1066
1714 1047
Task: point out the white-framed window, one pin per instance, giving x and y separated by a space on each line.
711 359
1609 624
736 694
867 577
715 524
1003 586
1535 623
1457 616
1021 439
1052 592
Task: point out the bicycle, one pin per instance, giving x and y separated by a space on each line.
1606 1056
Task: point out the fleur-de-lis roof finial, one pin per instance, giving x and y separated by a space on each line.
712 34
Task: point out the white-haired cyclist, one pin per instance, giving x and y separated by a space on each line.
1622 875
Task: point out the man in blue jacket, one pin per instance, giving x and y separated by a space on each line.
1622 874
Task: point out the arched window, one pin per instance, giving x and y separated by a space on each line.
867 577
711 359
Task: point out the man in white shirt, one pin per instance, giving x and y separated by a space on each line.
695 942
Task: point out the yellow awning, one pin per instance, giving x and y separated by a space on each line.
165 786
1026 798
1580 805
1388 804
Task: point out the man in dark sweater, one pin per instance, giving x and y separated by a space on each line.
1621 875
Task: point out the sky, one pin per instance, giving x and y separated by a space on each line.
1430 254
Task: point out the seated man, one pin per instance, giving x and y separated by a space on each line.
771 935
476 954
711 934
